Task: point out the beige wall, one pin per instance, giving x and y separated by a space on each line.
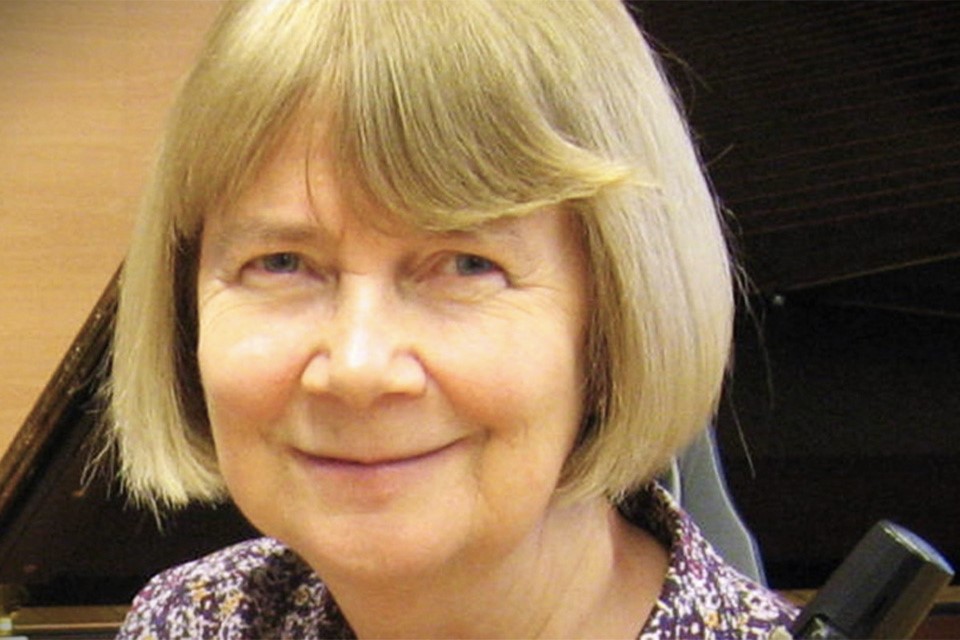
84 87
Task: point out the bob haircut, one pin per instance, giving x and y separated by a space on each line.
450 114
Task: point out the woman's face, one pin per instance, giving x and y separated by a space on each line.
388 401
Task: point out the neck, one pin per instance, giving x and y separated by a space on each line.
584 572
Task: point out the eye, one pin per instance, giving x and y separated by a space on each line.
279 263
466 264
464 276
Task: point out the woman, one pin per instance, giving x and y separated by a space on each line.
432 291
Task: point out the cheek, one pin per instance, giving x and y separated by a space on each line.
247 370
526 392
540 367
526 397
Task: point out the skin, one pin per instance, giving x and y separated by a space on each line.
397 406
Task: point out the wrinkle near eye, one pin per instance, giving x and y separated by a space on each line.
464 272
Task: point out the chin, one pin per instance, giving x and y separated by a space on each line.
378 548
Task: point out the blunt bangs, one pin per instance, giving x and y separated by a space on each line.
448 124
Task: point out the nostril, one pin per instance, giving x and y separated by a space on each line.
361 381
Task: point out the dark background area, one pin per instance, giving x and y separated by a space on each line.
832 134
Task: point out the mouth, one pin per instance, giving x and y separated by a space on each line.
353 481
347 463
378 461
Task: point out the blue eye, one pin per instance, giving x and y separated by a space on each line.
281 263
471 265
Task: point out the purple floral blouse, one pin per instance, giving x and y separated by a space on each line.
261 589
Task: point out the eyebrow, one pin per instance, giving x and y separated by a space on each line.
246 230
239 231
494 231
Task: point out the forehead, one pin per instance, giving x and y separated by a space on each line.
301 190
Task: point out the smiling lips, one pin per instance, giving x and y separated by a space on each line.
380 462
372 483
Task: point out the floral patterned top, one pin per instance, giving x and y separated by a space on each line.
261 589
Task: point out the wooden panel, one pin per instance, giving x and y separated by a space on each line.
84 87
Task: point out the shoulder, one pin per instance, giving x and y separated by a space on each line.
257 588
702 595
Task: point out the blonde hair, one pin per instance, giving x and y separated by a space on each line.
450 114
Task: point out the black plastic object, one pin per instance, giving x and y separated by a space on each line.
884 588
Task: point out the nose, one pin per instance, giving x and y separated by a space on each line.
366 351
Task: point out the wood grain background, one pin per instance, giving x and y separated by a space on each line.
84 89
